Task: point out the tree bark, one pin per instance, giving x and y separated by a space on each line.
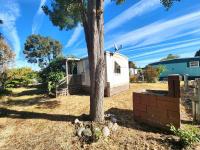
93 24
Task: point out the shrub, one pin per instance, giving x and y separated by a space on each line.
53 78
160 69
19 77
151 74
187 136
53 73
133 79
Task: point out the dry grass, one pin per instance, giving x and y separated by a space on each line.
29 120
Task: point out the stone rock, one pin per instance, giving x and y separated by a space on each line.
76 121
109 115
87 132
87 124
113 119
115 127
106 131
80 123
80 131
110 125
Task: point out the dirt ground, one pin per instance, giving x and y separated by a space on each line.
30 120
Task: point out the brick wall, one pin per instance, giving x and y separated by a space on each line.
156 110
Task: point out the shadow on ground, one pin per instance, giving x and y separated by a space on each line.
8 113
5 92
40 102
125 118
29 92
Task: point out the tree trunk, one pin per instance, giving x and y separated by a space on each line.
94 34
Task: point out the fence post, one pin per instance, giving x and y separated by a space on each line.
196 101
186 82
174 86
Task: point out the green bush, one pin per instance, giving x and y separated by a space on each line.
53 78
19 77
53 73
187 136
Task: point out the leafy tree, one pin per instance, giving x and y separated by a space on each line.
53 73
168 3
160 69
41 50
197 54
66 14
170 57
20 77
6 56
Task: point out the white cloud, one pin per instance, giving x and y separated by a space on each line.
167 49
159 31
75 36
156 46
9 12
143 62
38 18
137 9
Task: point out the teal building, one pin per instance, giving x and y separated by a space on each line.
182 66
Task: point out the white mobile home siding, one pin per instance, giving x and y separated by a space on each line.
114 82
117 79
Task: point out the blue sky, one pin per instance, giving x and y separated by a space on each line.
145 29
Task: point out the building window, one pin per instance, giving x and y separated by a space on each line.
117 68
194 64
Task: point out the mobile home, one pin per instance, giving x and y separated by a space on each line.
116 74
182 66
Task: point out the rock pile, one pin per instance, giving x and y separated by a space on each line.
91 132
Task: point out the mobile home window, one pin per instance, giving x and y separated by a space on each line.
117 68
194 64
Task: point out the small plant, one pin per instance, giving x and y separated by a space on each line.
96 134
187 136
133 79
151 74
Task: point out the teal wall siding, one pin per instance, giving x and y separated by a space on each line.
179 68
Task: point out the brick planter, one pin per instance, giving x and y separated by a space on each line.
158 111
159 108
